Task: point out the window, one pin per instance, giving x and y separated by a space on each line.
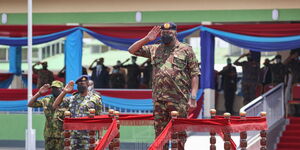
48 51
3 54
268 53
24 54
104 48
53 50
62 47
235 51
44 52
57 48
35 54
95 49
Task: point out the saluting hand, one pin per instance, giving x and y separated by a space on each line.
44 88
155 31
69 87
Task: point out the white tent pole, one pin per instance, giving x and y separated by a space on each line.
30 133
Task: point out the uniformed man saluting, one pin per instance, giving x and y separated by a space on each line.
175 75
54 118
79 105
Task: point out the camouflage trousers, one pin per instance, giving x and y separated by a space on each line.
54 143
80 140
162 116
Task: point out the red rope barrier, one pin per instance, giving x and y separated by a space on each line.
218 125
110 134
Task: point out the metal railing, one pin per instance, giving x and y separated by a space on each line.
271 102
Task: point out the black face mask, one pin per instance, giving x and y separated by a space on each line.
81 88
56 92
166 38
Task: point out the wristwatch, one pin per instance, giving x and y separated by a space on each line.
193 97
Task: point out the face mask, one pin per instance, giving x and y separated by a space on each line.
56 92
166 38
81 88
229 62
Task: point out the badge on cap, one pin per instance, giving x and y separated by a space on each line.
167 25
83 79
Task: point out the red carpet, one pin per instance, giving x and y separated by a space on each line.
290 139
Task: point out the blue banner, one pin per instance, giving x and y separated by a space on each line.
15 59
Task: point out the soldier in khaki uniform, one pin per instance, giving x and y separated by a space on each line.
175 75
54 121
79 104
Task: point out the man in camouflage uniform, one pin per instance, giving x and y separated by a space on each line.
54 118
79 104
45 76
175 75
278 70
250 77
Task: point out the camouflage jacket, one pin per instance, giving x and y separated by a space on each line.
79 105
173 69
54 118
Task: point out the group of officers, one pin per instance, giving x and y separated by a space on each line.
174 88
57 103
275 71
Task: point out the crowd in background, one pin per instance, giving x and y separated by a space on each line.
122 75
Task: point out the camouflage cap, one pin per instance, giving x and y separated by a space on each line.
168 26
57 83
82 78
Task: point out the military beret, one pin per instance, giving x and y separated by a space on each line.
82 78
168 26
57 84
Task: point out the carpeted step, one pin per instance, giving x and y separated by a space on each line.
291 133
289 139
294 120
295 127
289 145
